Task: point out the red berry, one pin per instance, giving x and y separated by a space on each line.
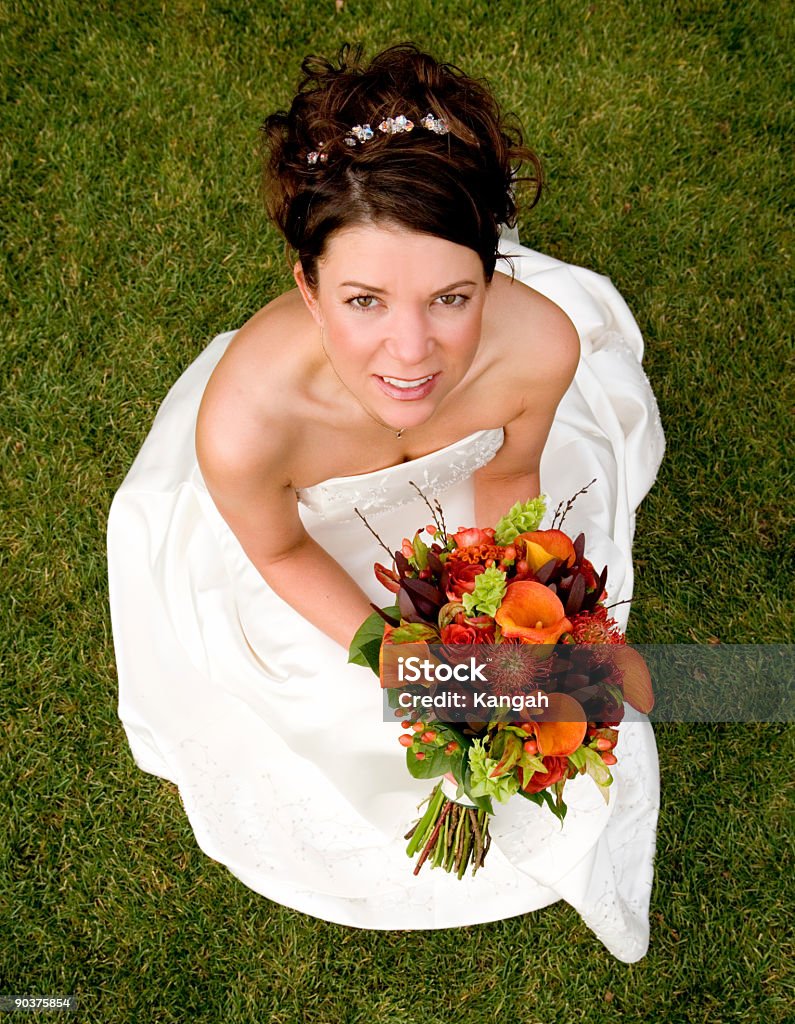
420 756
451 747
609 758
405 725
404 740
428 737
604 744
530 747
418 726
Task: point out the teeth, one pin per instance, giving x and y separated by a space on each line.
407 383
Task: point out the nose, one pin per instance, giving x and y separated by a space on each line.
410 340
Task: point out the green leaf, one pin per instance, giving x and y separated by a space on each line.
536 798
370 653
366 644
415 633
558 807
393 696
524 517
510 756
596 768
516 730
530 764
420 548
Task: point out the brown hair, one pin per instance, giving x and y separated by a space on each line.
458 186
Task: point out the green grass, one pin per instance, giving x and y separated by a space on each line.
133 234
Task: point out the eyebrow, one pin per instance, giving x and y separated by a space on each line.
383 291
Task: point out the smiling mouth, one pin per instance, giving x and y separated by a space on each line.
401 390
397 382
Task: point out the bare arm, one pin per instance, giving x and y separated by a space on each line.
248 485
513 474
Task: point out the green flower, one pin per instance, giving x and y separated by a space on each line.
488 593
522 518
481 765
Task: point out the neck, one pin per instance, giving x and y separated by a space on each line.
376 419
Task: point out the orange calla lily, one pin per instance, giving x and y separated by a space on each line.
389 658
545 544
531 612
558 738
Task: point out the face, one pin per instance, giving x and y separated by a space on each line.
401 314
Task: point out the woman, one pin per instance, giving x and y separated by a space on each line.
240 571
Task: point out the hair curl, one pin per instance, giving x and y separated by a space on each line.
458 186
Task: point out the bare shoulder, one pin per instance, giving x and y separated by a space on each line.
535 349
535 333
248 410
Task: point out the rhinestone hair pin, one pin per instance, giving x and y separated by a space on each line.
437 125
361 133
316 155
396 125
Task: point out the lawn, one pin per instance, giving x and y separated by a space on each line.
134 233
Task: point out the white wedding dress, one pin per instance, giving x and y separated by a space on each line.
287 771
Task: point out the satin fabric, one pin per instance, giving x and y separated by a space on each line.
286 770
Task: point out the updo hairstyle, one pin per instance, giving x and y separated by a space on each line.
457 186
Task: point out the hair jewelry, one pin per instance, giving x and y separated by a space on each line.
361 133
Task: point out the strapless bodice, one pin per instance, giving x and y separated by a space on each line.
385 489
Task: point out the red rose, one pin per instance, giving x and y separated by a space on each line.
557 769
468 633
461 578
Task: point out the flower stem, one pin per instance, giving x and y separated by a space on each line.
426 822
434 834
477 859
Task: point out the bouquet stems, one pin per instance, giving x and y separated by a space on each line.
451 835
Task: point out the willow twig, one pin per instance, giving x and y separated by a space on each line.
569 506
434 834
453 823
459 840
390 553
473 817
435 510
467 847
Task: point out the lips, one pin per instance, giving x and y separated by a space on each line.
405 384
407 390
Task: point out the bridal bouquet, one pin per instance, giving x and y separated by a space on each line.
506 669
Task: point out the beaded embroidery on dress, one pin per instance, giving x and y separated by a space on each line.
384 488
227 692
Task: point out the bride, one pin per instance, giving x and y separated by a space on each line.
420 346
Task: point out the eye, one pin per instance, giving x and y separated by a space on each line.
454 299
362 301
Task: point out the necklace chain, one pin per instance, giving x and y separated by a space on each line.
398 433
